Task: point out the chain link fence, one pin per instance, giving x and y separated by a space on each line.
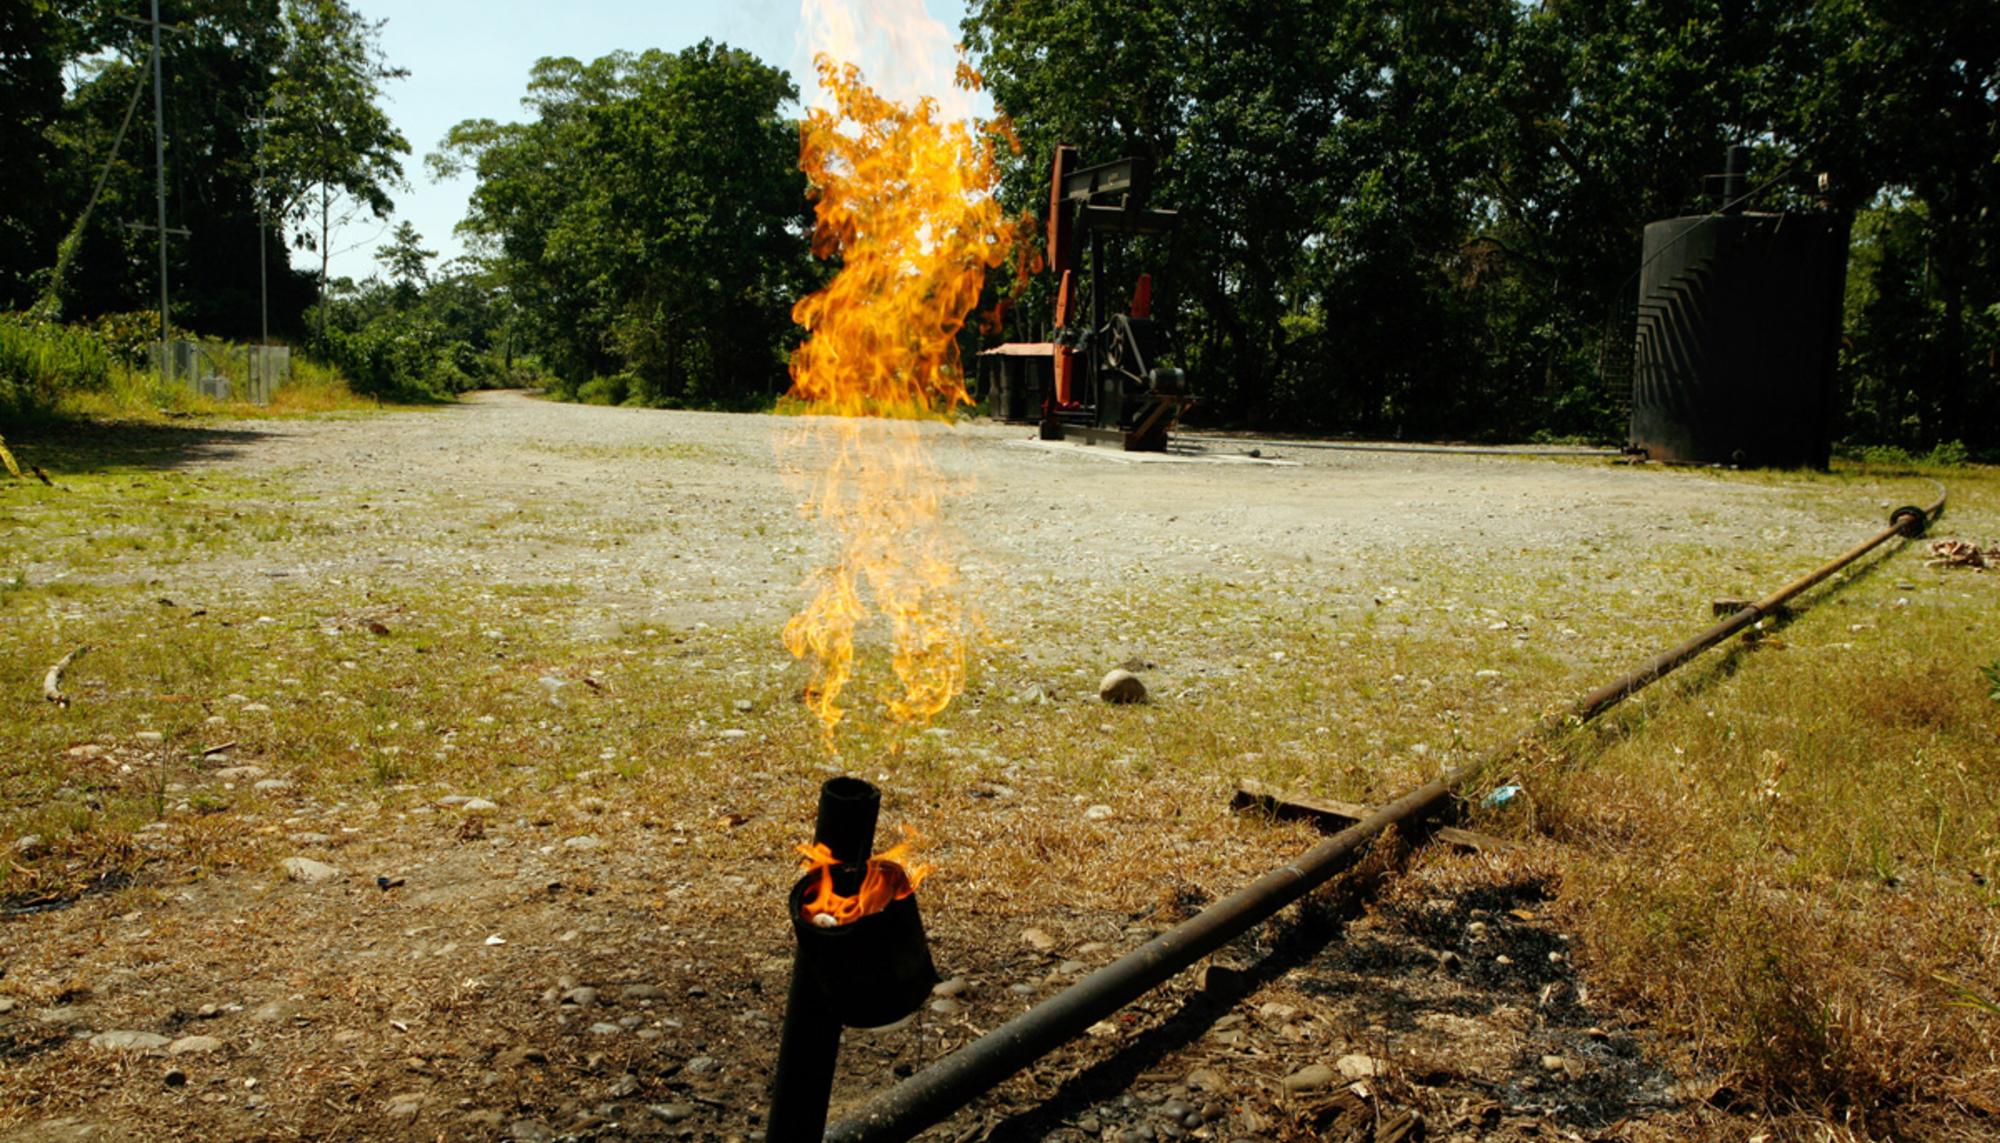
225 372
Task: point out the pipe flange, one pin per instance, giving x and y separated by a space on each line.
1910 520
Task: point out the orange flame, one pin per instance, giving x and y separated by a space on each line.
905 202
888 880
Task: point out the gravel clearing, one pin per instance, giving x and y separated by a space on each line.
596 952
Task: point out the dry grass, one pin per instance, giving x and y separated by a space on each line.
1792 855
1786 855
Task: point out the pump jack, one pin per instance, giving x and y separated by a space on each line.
1108 383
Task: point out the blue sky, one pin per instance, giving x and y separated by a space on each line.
470 60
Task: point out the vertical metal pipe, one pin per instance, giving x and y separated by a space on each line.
809 1044
160 187
1735 166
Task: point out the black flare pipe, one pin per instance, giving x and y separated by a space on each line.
809 1045
931 1095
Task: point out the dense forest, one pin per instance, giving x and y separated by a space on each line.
1403 220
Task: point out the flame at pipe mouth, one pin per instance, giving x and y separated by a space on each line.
888 879
904 200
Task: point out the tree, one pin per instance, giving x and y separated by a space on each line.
406 261
330 146
670 260
34 42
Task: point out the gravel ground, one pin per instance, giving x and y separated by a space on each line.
550 978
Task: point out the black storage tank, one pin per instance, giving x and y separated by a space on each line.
1739 331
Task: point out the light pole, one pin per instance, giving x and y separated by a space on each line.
272 103
160 190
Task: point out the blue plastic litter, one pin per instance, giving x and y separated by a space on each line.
1501 796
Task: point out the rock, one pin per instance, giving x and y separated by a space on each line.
642 992
306 837
309 871
949 988
6 1005
479 806
1312 1077
150 737
70 1014
946 1006
529 1131
1099 813
87 752
626 1087
1032 695
194 1045
1121 686
272 785
701 1066
129 1041
515 1058
603 1029
1202 1079
450 800
582 997
276 1011
1357 1066
27 847
1038 940
583 841
745 706
407 1105
238 773
671 1112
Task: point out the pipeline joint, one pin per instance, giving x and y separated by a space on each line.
1910 520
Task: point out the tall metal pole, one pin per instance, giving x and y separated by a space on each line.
160 190
263 224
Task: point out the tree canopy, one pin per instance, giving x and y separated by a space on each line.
1426 219
663 267
1404 220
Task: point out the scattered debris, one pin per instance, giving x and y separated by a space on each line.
1963 554
52 682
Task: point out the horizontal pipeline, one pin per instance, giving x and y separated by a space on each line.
931 1095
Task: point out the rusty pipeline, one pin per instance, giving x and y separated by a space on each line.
931 1095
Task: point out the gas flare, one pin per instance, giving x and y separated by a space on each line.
889 879
904 200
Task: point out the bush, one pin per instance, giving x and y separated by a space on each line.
130 337
611 390
1946 454
40 363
